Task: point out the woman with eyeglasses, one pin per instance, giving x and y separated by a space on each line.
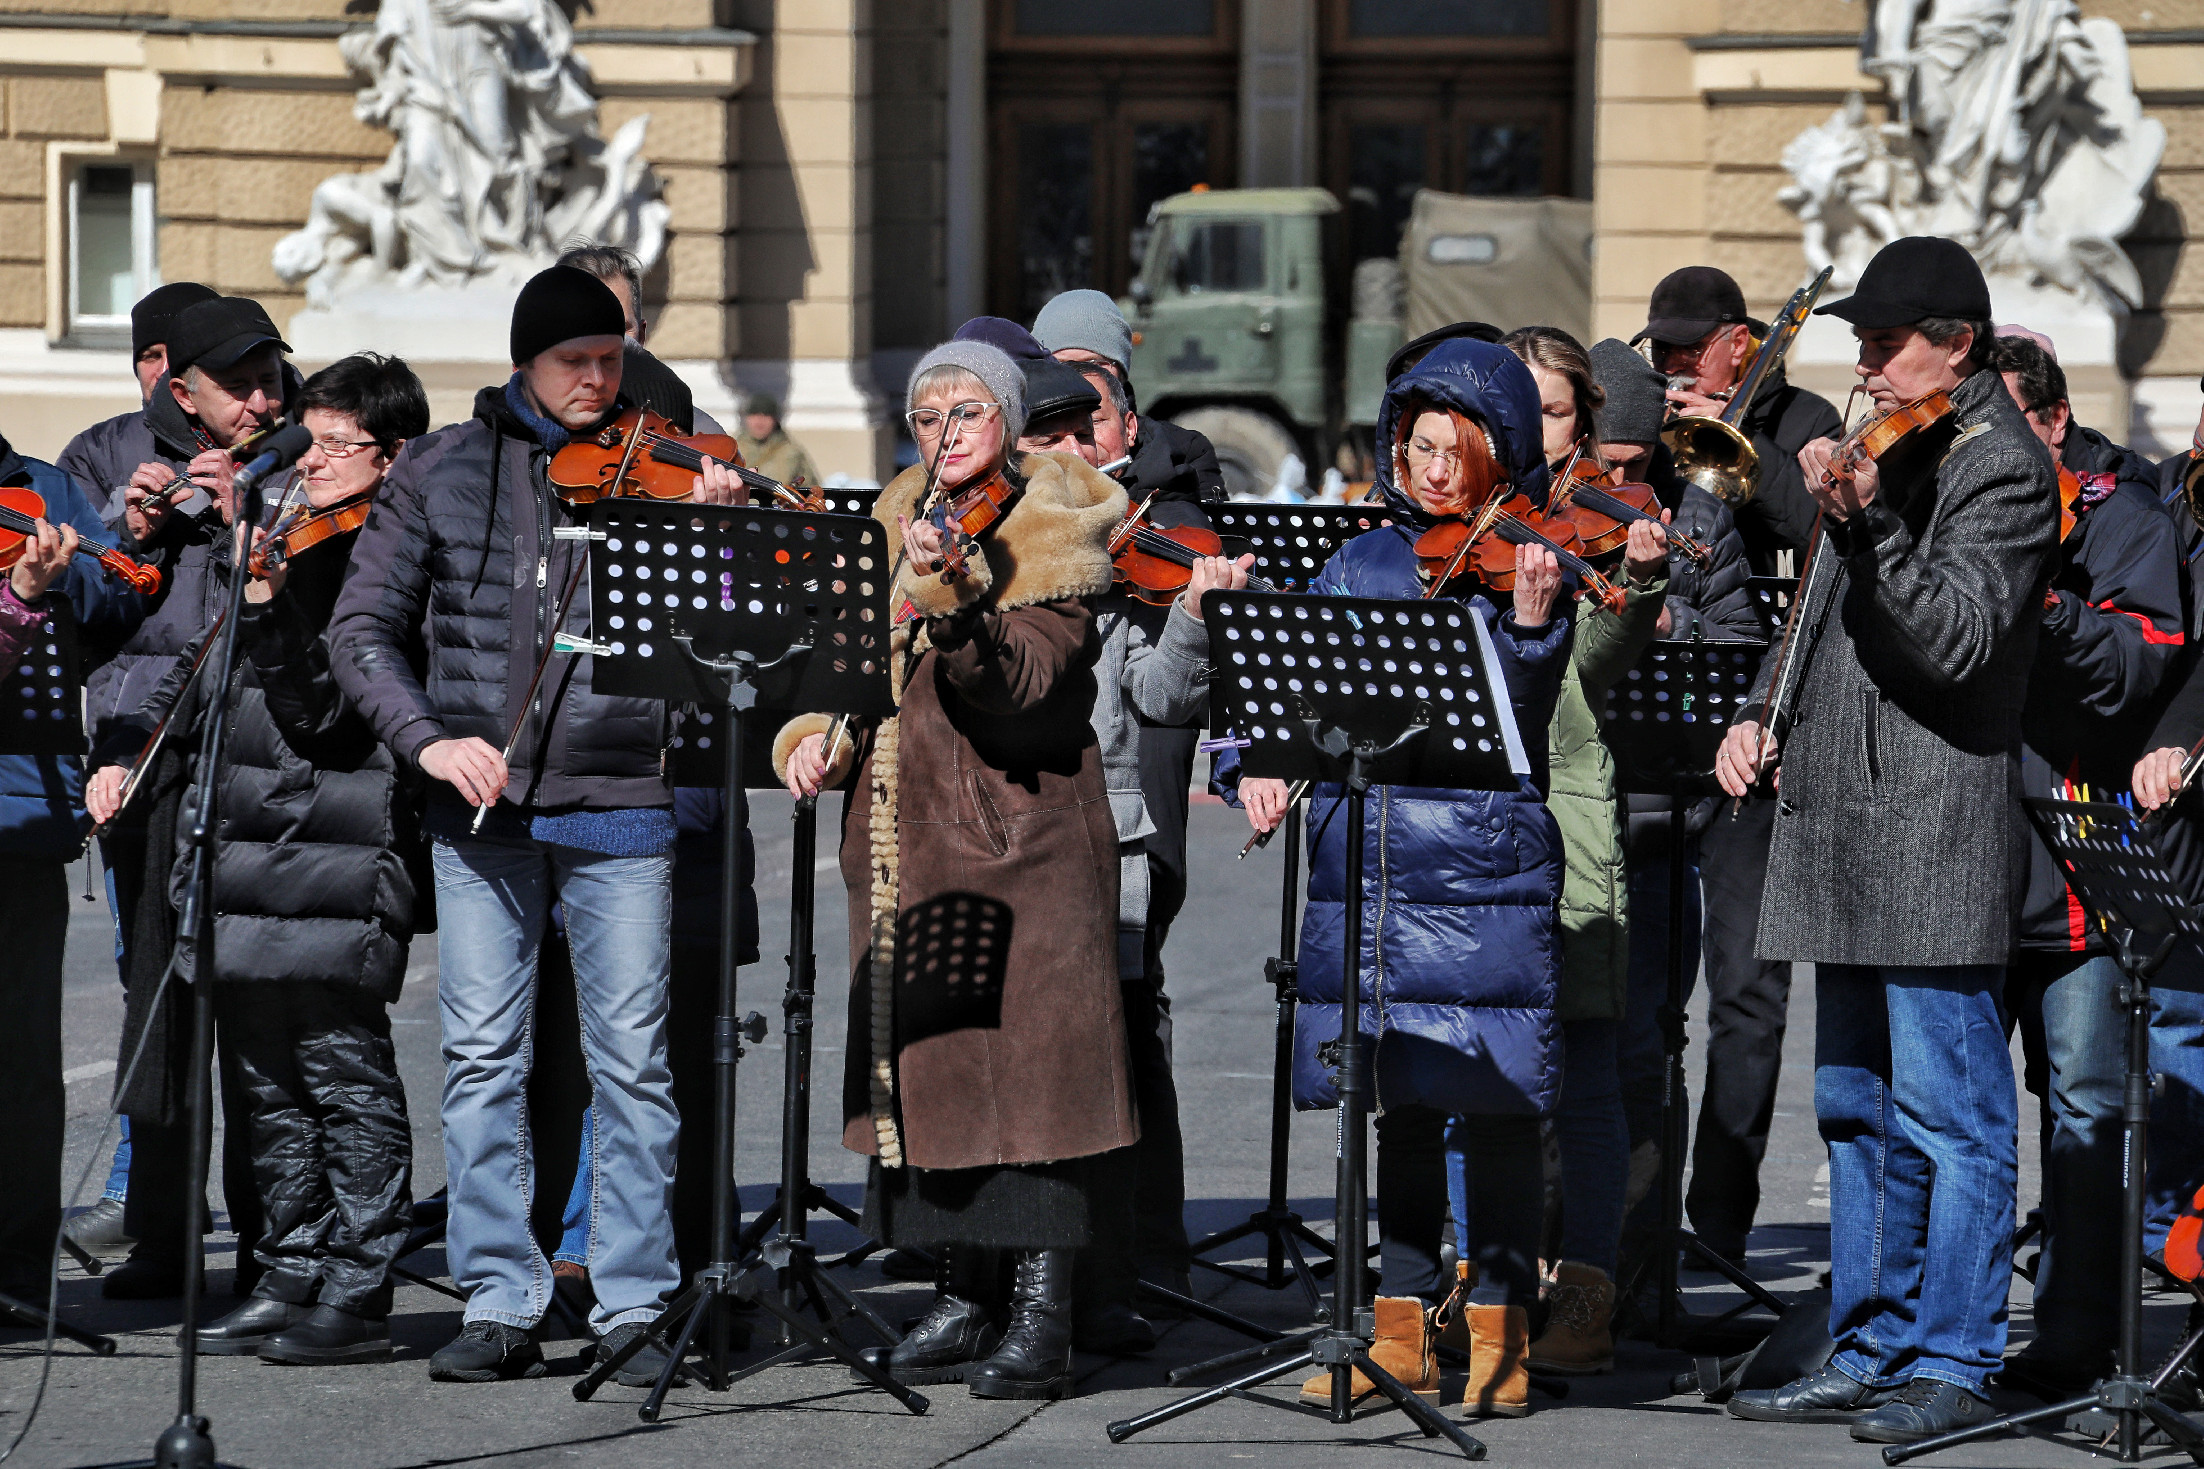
320 860
1462 955
987 1061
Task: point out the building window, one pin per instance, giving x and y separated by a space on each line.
111 241
1503 158
1115 17
1375 18
1168 158
1056 195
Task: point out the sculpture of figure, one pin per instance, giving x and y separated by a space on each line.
497 164
2013 129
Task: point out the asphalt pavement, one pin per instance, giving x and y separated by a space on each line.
104 1410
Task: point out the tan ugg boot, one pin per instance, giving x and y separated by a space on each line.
1499 1383
1403 1348
1579 1309
1451 1316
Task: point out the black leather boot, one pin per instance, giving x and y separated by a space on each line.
1034 1360
329 1334
959 1329
245 1330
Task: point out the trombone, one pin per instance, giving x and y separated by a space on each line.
1714 453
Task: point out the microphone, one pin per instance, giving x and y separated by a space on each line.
282 450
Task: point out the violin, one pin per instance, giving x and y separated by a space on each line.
304 526
967 515
22 508
641 455
1601 505
1487 550
1154 563
1881 433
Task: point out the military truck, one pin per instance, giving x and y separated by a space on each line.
1249 326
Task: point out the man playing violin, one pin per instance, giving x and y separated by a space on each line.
2112 626
1900 851
460 556
317 868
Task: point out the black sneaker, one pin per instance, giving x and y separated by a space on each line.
1829 1396
487 1351
642 1368
1922 1409
99 1228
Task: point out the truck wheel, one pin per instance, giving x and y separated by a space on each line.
1250 445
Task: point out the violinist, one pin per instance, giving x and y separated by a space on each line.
985 1080
1900 849
2112 627
226 380
316 875
1701 340
459 558
42 828
1589 1120
1172 472
1154 667
1465 994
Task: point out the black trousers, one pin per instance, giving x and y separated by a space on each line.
331 1147
1748 1000
1159 1158
34 914
1507 1192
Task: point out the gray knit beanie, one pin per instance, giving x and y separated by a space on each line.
1637 395
1087 319
992 366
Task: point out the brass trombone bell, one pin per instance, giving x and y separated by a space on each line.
1715 456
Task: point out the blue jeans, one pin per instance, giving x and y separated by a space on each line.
2072 1032
1913 1087
2176 1144
1595 1144
493 900
574 1223
118 1171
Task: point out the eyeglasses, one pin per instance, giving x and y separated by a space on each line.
343 448
1421 454
926 422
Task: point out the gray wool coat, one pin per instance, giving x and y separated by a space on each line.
1899 835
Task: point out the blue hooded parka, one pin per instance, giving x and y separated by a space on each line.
1461 947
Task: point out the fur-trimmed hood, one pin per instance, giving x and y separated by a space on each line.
1054 542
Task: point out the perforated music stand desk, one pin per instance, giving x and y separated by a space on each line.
1771 601
1291 543
1356 691
41 711
2113 868
718 604
1663 722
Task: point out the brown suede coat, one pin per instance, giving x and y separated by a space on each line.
979 850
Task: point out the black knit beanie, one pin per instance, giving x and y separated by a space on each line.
560 304
157 310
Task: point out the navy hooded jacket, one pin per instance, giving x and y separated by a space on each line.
42 796
1461 949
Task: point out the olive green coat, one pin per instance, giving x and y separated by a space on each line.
1595 892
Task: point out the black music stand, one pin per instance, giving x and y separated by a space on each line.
1771 602
852 500
713 603
1357 691
1664 722
1291 543
2143 912
42 713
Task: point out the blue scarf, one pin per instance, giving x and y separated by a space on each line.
549 432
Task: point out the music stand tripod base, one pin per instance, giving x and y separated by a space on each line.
1356 691
716 604
2142 911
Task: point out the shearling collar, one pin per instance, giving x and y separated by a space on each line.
1054 543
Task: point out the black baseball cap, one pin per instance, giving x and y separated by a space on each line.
1689 303
1054 388
215 334
1914 278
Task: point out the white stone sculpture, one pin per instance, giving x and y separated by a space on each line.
2013 129
497 167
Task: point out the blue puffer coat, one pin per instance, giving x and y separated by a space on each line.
1461 949
42 796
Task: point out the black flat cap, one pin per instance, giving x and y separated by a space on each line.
215 334
1689 303
1912 279
1054 388
154 317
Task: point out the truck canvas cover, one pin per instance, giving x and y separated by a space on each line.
1511 262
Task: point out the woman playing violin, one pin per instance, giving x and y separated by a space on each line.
987 1059
1459 896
